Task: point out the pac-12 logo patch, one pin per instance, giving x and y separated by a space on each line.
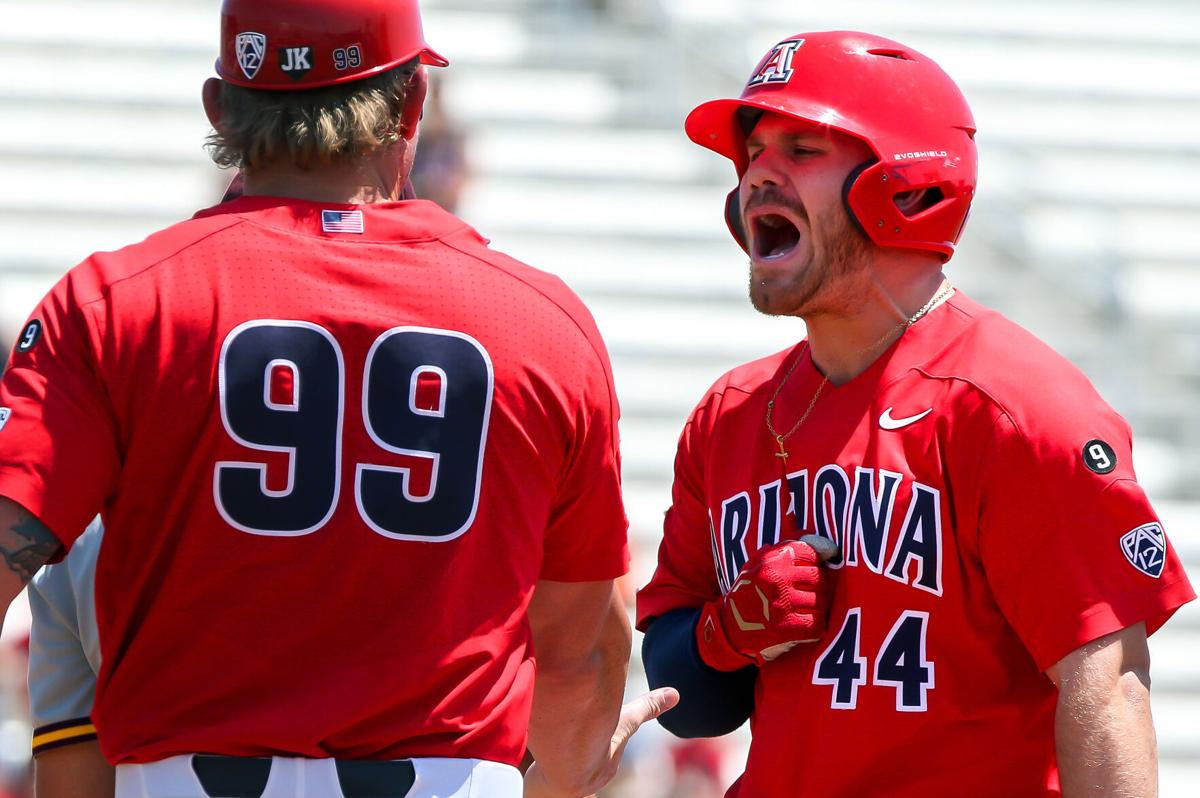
251 49
777 66
5 412
1146 549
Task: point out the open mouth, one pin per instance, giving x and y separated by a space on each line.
774 236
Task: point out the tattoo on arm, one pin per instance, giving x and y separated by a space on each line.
26 544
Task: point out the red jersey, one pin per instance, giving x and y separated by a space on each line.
335 447
990 523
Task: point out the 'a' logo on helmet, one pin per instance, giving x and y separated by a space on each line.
251 49
777 67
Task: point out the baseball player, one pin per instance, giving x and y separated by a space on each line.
64 658
970 617
352 464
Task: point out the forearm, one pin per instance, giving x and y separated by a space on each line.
74 771
1104 731
576 704
1106 743
712 702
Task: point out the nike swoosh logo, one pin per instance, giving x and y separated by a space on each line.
887 422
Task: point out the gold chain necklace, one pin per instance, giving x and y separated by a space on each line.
902 327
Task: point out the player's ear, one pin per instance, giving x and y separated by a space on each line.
211 94
414 101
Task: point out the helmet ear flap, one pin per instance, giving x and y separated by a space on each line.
733 219
849 184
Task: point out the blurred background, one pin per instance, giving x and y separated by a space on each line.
558 134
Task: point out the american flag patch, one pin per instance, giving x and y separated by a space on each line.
342 222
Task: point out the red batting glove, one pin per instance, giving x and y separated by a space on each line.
779 600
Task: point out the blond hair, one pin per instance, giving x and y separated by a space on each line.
327 126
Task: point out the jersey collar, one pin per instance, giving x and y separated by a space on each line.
407 220
935 331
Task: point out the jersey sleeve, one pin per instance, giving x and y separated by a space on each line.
58 447
686 575
64 654
1071 547
587 535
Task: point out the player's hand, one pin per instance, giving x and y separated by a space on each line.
780 599
633 715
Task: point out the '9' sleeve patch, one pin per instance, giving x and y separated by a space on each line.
30 336
1099 457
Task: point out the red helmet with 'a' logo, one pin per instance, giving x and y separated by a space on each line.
896 100
307 44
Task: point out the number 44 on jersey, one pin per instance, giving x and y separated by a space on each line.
901 663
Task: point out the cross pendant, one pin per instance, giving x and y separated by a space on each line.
782 451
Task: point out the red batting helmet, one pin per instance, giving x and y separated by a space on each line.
899 102
306 44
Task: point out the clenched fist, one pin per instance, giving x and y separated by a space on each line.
780 599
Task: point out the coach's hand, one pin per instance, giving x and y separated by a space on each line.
780 599
637 712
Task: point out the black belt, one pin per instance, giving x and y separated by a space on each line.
246 777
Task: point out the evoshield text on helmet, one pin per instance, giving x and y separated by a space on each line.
306 44
896 100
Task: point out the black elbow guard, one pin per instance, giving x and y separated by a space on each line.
711 702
